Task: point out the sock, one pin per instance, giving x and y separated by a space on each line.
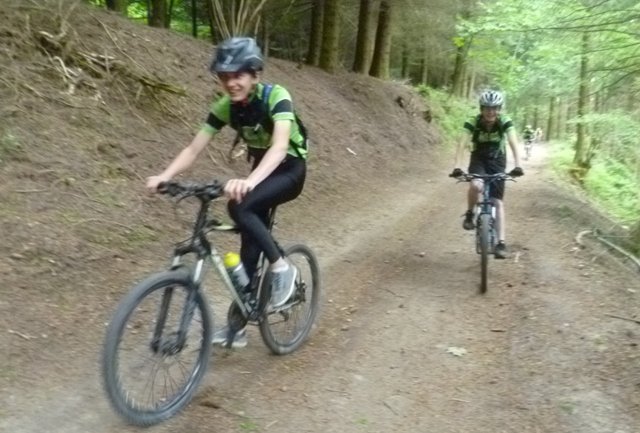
280 268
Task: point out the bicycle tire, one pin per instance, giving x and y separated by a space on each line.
124 400
308 278
483 229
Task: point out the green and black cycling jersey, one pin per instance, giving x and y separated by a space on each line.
528 134
254 125
488 142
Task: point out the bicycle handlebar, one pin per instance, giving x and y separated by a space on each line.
468 177
203 191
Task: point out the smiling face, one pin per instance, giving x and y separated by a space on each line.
238 85
489 114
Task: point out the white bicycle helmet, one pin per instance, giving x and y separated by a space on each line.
491 98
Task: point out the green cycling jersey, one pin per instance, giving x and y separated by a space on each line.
256 126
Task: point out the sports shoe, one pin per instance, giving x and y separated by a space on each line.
220 338
283 285
468 224
500 251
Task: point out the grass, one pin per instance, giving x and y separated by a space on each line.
10 147
610 184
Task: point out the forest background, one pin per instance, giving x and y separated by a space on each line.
569 67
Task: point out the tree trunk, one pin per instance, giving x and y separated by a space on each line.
472 84
194 19
158 13
365 39
118 6
551 121
404 69
382 50
212 20
315 39
581 158
460 66
424 70
330 36
265 35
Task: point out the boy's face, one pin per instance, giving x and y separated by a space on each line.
238 85
489 114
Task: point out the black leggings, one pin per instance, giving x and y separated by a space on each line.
252 214
482 164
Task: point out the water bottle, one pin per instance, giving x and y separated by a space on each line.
236 271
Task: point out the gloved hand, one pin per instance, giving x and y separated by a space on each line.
457 172
516 172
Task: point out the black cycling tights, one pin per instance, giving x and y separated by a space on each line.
252 214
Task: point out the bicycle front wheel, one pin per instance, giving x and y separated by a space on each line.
483 232
157 348
286 328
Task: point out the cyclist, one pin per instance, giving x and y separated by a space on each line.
528 133
487 134
276 143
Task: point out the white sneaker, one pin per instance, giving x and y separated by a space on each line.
220 338
283 285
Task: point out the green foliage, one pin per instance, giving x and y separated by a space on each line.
616 188
449 112
10 147
611 184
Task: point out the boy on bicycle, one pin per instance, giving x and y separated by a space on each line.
264 117
528 134
486 137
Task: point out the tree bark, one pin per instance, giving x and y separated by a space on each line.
381 53
118 6
158 13
581 158
330 35
265 37
472 83
424 72
551 121
365 39
404 70
460 66
194 19
315 39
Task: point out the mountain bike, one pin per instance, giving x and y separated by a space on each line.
528 145
158 343
485 216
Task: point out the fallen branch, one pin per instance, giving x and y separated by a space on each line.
628 319
21 335
597 236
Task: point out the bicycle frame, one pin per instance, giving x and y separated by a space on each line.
486 207
199 245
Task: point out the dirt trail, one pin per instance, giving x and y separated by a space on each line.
401 288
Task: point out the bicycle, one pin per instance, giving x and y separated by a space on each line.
177 323
528 145
485 220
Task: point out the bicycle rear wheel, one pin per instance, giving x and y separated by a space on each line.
483 232
286 328
150 368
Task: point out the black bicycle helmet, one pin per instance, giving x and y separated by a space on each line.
237 54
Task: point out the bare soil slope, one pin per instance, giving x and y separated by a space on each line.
542 354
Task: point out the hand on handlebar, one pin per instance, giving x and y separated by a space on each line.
153 182
457 172
516 172
236 189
